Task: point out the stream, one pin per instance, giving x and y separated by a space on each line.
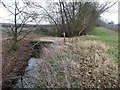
32 71
31 76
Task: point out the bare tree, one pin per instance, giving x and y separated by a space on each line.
74 18
77 18
22 15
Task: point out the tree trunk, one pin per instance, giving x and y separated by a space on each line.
15 34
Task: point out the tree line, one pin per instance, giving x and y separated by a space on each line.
72 18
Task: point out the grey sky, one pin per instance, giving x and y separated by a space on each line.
112 15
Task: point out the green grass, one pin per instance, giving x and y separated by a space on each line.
106 36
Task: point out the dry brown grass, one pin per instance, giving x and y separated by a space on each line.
14 62
78 64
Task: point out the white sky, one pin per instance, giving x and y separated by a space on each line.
112 15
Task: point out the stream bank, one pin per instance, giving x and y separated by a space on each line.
32 71
15 63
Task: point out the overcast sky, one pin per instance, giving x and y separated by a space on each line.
111 15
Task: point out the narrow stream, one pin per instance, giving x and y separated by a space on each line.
32 71
31 76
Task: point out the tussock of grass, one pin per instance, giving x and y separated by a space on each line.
82 64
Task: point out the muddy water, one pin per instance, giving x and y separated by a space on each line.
31 76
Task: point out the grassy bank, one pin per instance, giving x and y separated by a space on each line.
106 36
86 61
110 38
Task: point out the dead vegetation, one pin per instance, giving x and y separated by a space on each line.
78 64
14 62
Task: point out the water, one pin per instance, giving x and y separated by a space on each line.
31 76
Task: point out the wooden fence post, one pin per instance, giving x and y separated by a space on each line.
64 38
